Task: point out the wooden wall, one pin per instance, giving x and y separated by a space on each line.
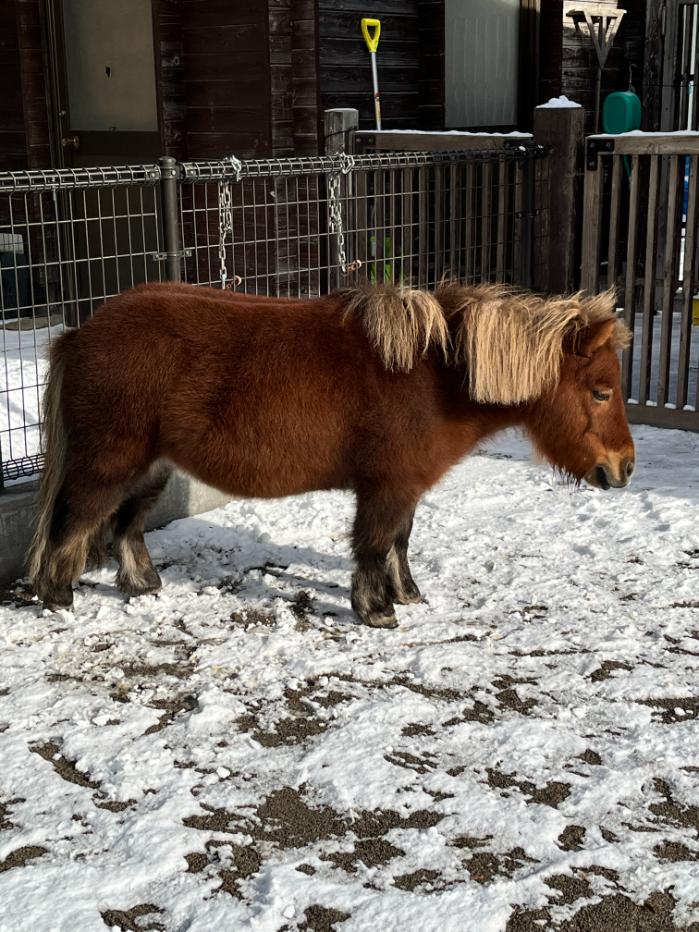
24 133
13 142
169 41
226 84
293 77
410 61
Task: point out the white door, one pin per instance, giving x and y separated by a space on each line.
481 61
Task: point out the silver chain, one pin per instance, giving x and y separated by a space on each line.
225 219
335 213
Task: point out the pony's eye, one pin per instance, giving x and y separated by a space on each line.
600 395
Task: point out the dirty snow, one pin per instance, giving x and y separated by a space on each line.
237 753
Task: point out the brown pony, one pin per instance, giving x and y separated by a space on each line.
380 391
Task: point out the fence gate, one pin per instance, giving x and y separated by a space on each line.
640 237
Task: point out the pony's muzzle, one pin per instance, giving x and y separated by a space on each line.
604 476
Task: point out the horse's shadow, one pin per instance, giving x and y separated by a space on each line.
244 563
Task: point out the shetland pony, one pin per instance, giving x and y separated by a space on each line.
379 391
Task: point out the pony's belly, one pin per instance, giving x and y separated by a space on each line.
262 474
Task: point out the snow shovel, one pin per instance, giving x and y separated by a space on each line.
372 43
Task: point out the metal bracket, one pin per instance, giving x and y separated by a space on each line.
594 147
162 256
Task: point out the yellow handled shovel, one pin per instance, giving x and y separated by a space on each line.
372 43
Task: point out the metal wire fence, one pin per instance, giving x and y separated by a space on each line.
69 239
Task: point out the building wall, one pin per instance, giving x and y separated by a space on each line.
410 61
13 143
24 133
226 80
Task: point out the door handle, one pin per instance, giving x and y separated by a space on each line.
70 142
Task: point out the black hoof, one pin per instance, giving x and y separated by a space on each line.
57 600
380 619
148 584
409 597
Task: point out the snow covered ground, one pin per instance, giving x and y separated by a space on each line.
522 753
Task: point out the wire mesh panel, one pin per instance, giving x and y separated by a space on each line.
308 226
640 237
285 227
68 240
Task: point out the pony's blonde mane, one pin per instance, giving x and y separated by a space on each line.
402 324
510 342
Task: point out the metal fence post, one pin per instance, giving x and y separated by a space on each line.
169 175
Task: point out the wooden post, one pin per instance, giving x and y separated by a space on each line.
562 129
339 126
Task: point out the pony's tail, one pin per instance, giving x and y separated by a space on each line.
54 445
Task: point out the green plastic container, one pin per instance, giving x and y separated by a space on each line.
621 112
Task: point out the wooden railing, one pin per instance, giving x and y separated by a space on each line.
639 236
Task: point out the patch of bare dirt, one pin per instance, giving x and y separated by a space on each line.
65 769
477 712
421 764
244 862
615 912
322 919
425 881
372 852
552 794
416 730
674 851
572 838
671 811
5 822
172 706
21 856
607 669
674 709
135 919
485 866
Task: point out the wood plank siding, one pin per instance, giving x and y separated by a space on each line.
410 61
226 86
24 132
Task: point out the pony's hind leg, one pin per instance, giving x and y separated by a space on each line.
137 575
401 585
78 513
380 518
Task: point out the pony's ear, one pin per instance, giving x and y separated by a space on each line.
587 341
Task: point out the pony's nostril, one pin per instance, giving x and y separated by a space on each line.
602 478
628 468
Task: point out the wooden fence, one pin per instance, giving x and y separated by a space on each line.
650 255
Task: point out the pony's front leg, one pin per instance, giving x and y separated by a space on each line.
379 520
400 580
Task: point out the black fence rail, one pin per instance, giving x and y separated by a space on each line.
70 239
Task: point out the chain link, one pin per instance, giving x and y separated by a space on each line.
335 213
225 220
